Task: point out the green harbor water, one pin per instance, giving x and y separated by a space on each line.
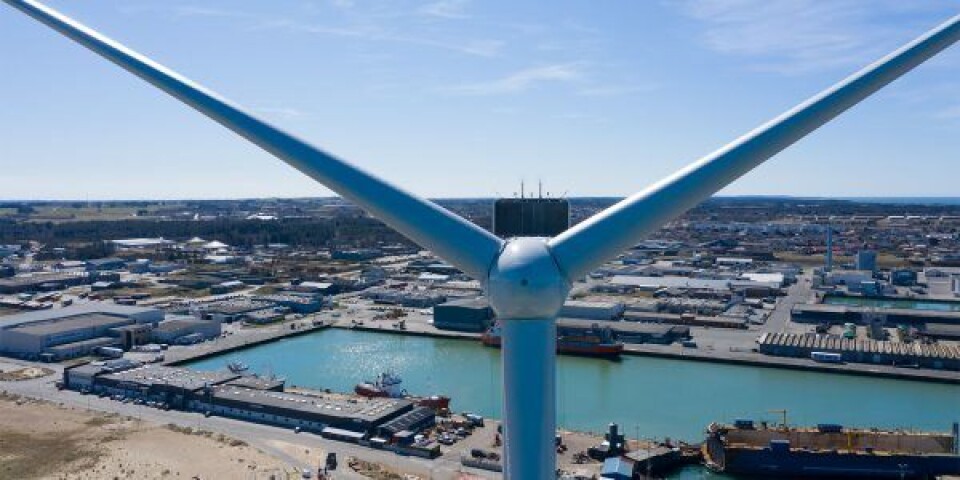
927 305
654 397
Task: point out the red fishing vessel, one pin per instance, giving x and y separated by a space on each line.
388 385
595 342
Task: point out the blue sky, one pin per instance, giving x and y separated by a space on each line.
458 98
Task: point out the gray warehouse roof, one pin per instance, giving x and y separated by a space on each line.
477 302
178 324
371 410
109 308
76 322
178 377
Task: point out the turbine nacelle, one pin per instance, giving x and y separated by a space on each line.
525 281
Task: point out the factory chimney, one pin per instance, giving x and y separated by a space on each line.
829 254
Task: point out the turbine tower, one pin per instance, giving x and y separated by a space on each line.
526 279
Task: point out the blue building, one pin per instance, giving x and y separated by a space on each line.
866 260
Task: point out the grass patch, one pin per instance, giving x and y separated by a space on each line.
36 456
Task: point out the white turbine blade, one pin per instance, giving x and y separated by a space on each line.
610 232
453 238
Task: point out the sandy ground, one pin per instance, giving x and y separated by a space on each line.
44 441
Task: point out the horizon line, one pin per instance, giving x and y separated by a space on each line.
584 197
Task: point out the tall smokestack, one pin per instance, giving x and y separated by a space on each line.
829 256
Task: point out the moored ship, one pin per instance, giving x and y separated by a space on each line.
237 367
389 385
595 341
829 451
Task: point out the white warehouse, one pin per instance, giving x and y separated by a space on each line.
592 310
71 331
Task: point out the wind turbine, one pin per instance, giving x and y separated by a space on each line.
526 279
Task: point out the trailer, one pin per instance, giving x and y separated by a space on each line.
826 357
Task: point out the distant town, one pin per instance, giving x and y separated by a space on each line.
114 300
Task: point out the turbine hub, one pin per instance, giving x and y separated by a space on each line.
525 281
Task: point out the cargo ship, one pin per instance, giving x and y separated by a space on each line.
829 451
594 342
389 385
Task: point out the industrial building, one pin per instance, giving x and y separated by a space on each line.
592 310
8 250
106 264
946 357
71 331
264 317
67 338
839 314
688 319
79 330
247 398
224 311
45 282
226 287
866 260
295 302
141 243
308 412
7 271
357 254
403 298
185 330
903 277
627 332
468 315
402 428
648 283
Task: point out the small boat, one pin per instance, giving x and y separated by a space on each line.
238 367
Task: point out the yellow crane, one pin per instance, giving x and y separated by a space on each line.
783 413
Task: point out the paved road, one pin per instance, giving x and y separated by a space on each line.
779 320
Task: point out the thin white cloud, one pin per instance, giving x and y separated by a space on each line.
949 113
197 11
280 112
450 9
366 31
521 80
581 117
342 4
799 36
616 90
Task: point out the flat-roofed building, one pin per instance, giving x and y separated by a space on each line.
141 243
106 264
243 397
73 329
33 339
171 385
296 302
770 279
175 329
308 412
48 281
264 317
82 348
228 310
592 310
469 315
